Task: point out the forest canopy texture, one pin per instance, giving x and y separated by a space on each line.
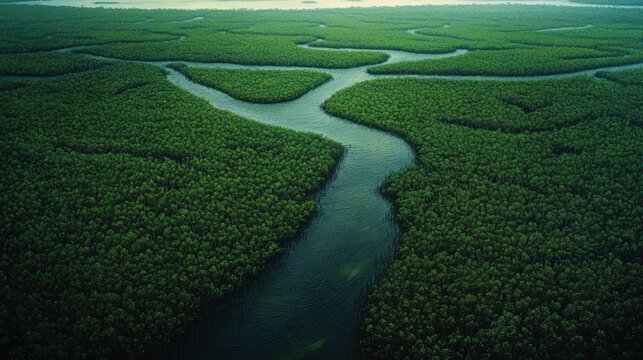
522 218
126 203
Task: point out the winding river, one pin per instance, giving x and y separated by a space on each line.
307 304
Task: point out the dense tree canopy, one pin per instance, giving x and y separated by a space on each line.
504 40
514 62
258 86
126 201
626 78
45 64
521 219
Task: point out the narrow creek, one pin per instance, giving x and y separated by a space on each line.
307 304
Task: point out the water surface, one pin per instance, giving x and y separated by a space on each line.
307 305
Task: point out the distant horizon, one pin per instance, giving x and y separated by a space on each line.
295 4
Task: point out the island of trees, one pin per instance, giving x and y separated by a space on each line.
257 86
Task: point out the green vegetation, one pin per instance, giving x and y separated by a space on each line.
522 218
627 78
46 64
258 86
514 62
240 49
37 28
12 84
499 43
126 201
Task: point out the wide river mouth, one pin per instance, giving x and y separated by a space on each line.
292 4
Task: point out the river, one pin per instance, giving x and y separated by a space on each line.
307 303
